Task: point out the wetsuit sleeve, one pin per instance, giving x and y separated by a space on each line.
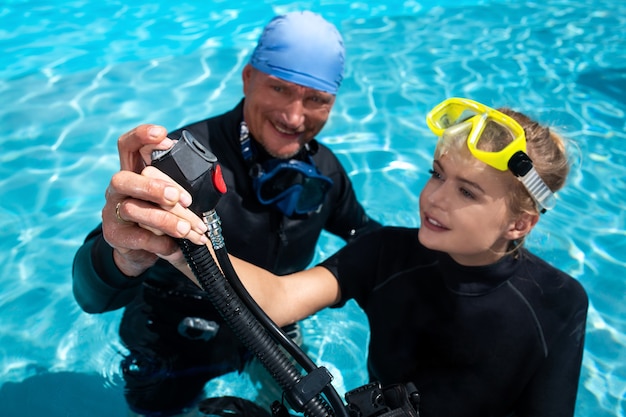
369 260
97 283
552 392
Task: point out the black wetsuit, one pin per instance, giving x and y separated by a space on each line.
167 370
499 340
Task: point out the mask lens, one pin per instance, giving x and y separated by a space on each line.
453 114
280 182
294 187
493 137
313 193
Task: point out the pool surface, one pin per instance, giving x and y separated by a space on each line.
74 75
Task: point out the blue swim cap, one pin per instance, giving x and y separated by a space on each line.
302 48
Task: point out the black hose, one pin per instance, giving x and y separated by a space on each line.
245 326
279 336
195 168
276 332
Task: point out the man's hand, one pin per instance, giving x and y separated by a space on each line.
144 208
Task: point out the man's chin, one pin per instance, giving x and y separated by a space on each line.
285 152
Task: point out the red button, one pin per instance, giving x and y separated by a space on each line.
218 179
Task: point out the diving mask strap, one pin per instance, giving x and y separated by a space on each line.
248 150
245 142
522 167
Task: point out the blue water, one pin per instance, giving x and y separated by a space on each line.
74 75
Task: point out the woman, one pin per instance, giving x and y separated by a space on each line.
481 326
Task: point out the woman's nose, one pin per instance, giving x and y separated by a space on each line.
438 194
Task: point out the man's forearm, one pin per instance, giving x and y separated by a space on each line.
98 285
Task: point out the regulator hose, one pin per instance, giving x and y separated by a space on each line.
197 170
276 332
245 326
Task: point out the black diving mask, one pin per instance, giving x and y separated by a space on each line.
294 187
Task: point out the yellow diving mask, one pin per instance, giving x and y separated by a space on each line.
504 150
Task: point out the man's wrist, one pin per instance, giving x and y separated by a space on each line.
130 268
106 266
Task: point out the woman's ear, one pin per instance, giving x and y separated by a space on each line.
521 226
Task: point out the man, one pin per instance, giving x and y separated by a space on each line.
268 154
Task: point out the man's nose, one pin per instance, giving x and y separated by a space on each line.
293 114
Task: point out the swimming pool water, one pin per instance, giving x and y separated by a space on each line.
74 75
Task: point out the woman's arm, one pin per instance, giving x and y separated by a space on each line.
289 298
285 299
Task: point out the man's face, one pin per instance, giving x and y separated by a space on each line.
283 116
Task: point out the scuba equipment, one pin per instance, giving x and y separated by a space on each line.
401 400
294 187
507 151
197 170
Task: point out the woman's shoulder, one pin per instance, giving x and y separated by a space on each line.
397 244
552 282
395 233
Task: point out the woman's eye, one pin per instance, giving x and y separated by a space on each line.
434 174
466 193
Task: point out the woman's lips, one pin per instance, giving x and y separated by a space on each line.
433 224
